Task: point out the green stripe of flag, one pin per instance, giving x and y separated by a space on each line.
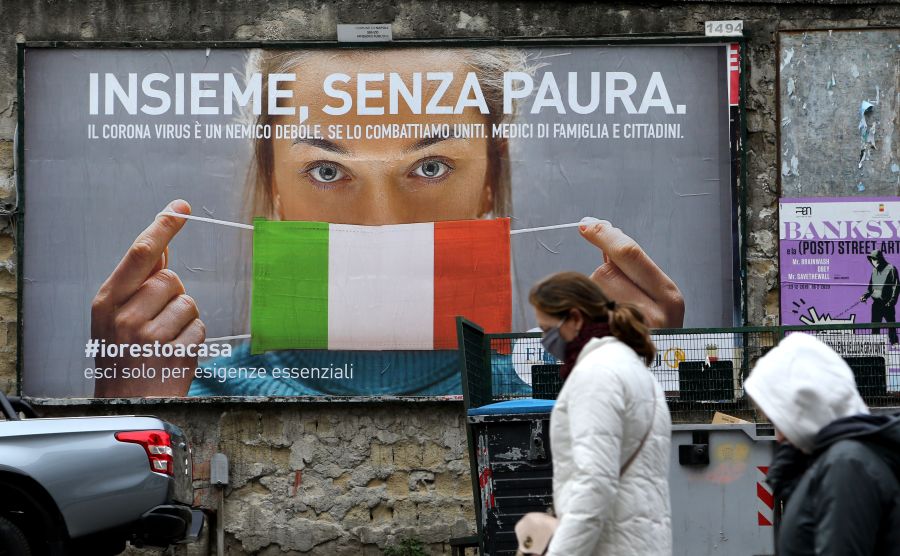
290 286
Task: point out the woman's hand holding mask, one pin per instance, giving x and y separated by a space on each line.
629 275
143 302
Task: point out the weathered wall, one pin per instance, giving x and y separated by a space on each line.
344 479
331 478
830 145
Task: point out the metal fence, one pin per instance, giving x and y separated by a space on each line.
701 370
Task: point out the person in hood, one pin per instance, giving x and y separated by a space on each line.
610 427
884 287
837 468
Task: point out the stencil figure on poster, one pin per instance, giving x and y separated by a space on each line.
883 290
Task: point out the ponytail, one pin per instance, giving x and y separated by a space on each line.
627 324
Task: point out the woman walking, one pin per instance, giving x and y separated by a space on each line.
610 428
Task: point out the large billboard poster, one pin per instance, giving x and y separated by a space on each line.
839 258
349 202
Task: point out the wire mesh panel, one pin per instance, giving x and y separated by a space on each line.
701 370
522 368
873 353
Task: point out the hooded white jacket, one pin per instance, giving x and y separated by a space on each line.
803 385
604 409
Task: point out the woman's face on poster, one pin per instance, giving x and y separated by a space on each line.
358 180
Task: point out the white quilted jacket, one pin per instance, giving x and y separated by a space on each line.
603 410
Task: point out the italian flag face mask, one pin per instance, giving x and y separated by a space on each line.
399 287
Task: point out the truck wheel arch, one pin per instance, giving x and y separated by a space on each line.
21 493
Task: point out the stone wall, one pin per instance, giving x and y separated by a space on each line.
341 478
330 478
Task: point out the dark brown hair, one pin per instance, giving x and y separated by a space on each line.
559 293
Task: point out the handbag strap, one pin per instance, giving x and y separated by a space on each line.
644 439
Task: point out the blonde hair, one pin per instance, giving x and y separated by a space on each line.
488 63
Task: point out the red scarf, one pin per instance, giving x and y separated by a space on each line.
588 331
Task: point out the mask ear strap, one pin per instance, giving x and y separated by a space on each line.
276 206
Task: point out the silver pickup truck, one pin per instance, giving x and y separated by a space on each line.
88 485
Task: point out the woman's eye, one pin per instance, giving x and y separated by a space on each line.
326 173
432 169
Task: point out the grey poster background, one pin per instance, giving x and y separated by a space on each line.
672 196
86 200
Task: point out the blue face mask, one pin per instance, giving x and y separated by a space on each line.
554 343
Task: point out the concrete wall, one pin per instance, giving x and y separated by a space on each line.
346 479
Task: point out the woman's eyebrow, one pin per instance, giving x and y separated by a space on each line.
426 142
323 144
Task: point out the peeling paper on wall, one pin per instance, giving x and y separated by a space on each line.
829 85
866 133
864 107
788 56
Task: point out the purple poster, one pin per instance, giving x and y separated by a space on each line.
839 261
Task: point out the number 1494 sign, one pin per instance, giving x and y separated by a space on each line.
724 28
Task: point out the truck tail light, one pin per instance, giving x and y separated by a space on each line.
157 444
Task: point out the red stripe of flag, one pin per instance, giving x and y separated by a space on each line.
471 277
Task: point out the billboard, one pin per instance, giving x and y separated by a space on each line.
379 151
839 260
